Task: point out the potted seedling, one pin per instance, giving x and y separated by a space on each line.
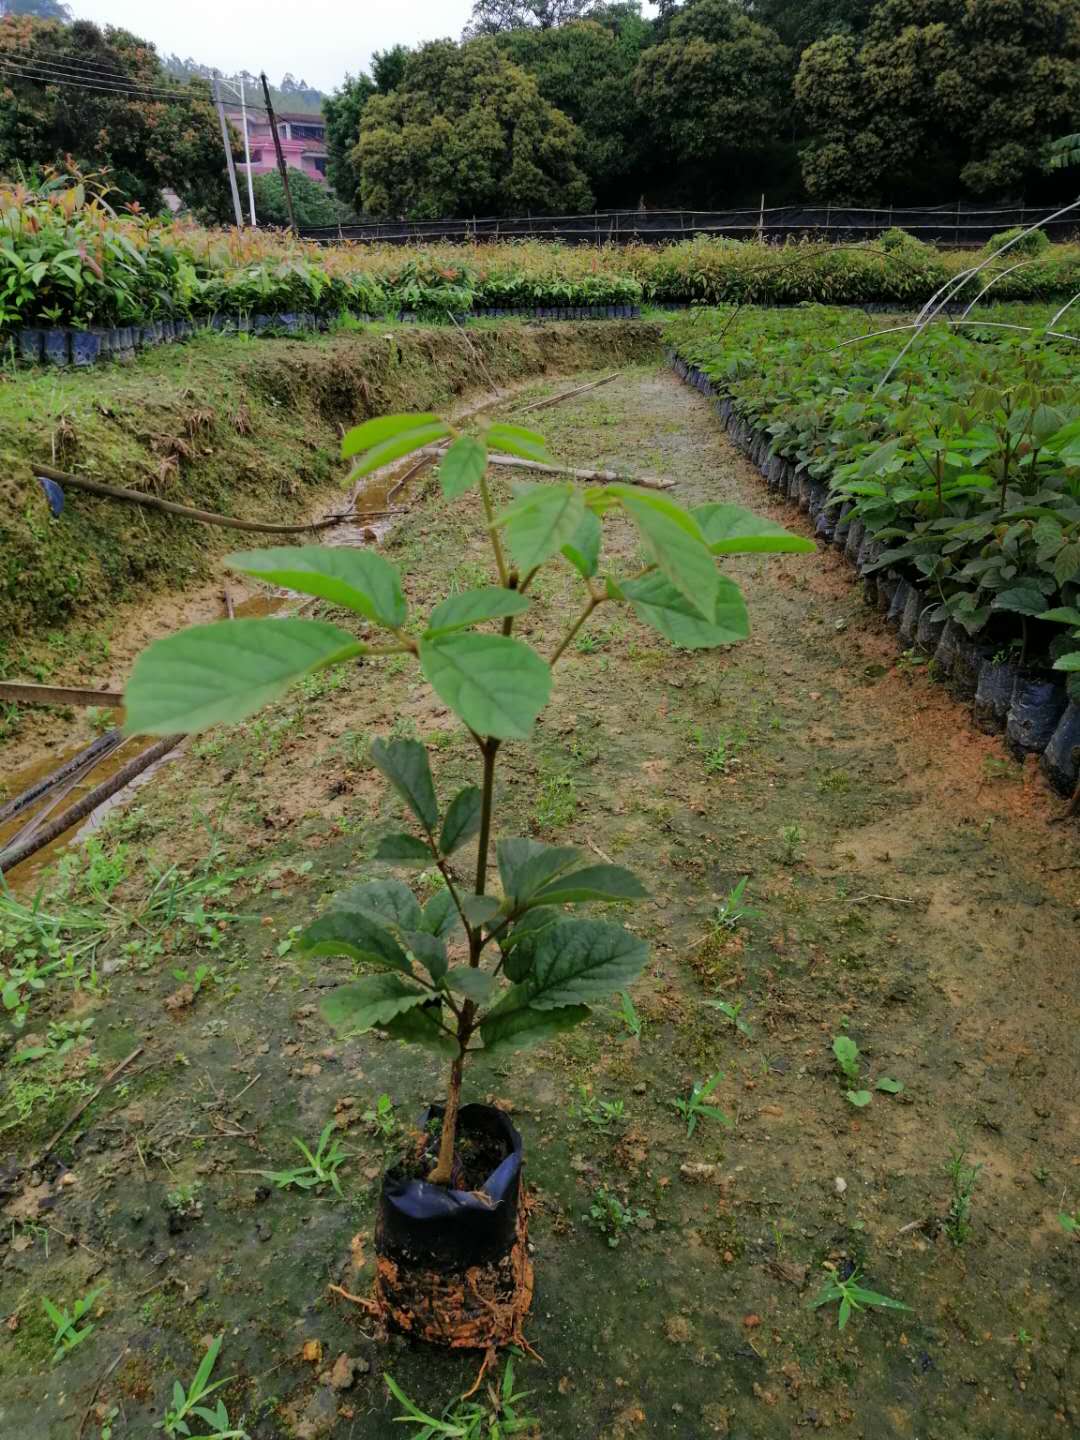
480 967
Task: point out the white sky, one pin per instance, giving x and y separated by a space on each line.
315 40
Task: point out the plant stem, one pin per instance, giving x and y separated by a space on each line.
444 1167
490 749
496 543
594 601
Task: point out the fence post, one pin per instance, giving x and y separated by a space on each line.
761 220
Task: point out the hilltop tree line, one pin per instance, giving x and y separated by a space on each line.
557 105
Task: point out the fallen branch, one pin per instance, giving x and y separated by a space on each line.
893 899
170 507
603 477
568 394
16 854
70 1121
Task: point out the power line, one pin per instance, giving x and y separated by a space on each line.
57 73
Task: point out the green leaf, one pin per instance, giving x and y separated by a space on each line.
462 466
420 1026
518 946
673 541
873 1297
540 521
1063 615
357 934
479 909
462 819
472 607
1067 563
656 602
221 673
440 917
386 901
733 530
1071 661
429 950
1024 599
403 850
844 1314
858 1098
495 684
583 547
361 580
516 440
382 428
403 442
405 765
594 882
513 1025
581 960
369 1002
475 985
890 1087
526 865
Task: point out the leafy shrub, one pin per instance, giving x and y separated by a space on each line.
1034 242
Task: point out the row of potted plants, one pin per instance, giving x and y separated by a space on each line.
951 479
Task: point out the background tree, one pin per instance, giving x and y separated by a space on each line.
940 95
342 112
800 22
467 132
489 17
40 9
312 201
585 69
146 143
717 94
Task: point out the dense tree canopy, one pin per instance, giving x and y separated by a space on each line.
490 17
146 143
313 202
467 132
940 94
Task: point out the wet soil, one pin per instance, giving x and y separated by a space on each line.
903 887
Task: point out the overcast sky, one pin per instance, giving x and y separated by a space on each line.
315 40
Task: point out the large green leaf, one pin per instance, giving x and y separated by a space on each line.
519 1024
516 440
673 541
1024 599
1071 661
429 949
388 901
371 1001
361 580
420 1026
540 521
462 819
656 602
402 849
519 944
358 934
397 446
472 607
479 909
440 917
583 547
462 466
580 960
527 865
594 882
732 529
405 764
476 985
214 674
378 431
494 683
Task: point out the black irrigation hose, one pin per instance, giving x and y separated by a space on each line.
1036 715
83 760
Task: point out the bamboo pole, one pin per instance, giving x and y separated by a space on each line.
603 477
24 692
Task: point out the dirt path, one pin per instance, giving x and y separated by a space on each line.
905 890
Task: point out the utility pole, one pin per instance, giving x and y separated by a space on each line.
280 156
247 156
228 156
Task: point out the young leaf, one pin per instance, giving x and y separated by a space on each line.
356 934
369 1002
673 540
890 1087
581 960
518 946
872 1297
732 530
847 1055
361 580
656 602
495 684
858 1098
221 673
516 440
583 547
398 446
440 917
513 1024
472 607
405 765
462 819
527 865
462 466
479 909
594 882
378 431
540 521
475 985
402 850
429 950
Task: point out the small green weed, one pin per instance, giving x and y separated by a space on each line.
693 1107
186 1403
381 1118
612 1218
731 912
852 1296
848 1060
627 1012
198 978
605 1116
495 1418
792 838
558 800
963 1177
68 1335
321 1168
733 1010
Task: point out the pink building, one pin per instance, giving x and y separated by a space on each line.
303 141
